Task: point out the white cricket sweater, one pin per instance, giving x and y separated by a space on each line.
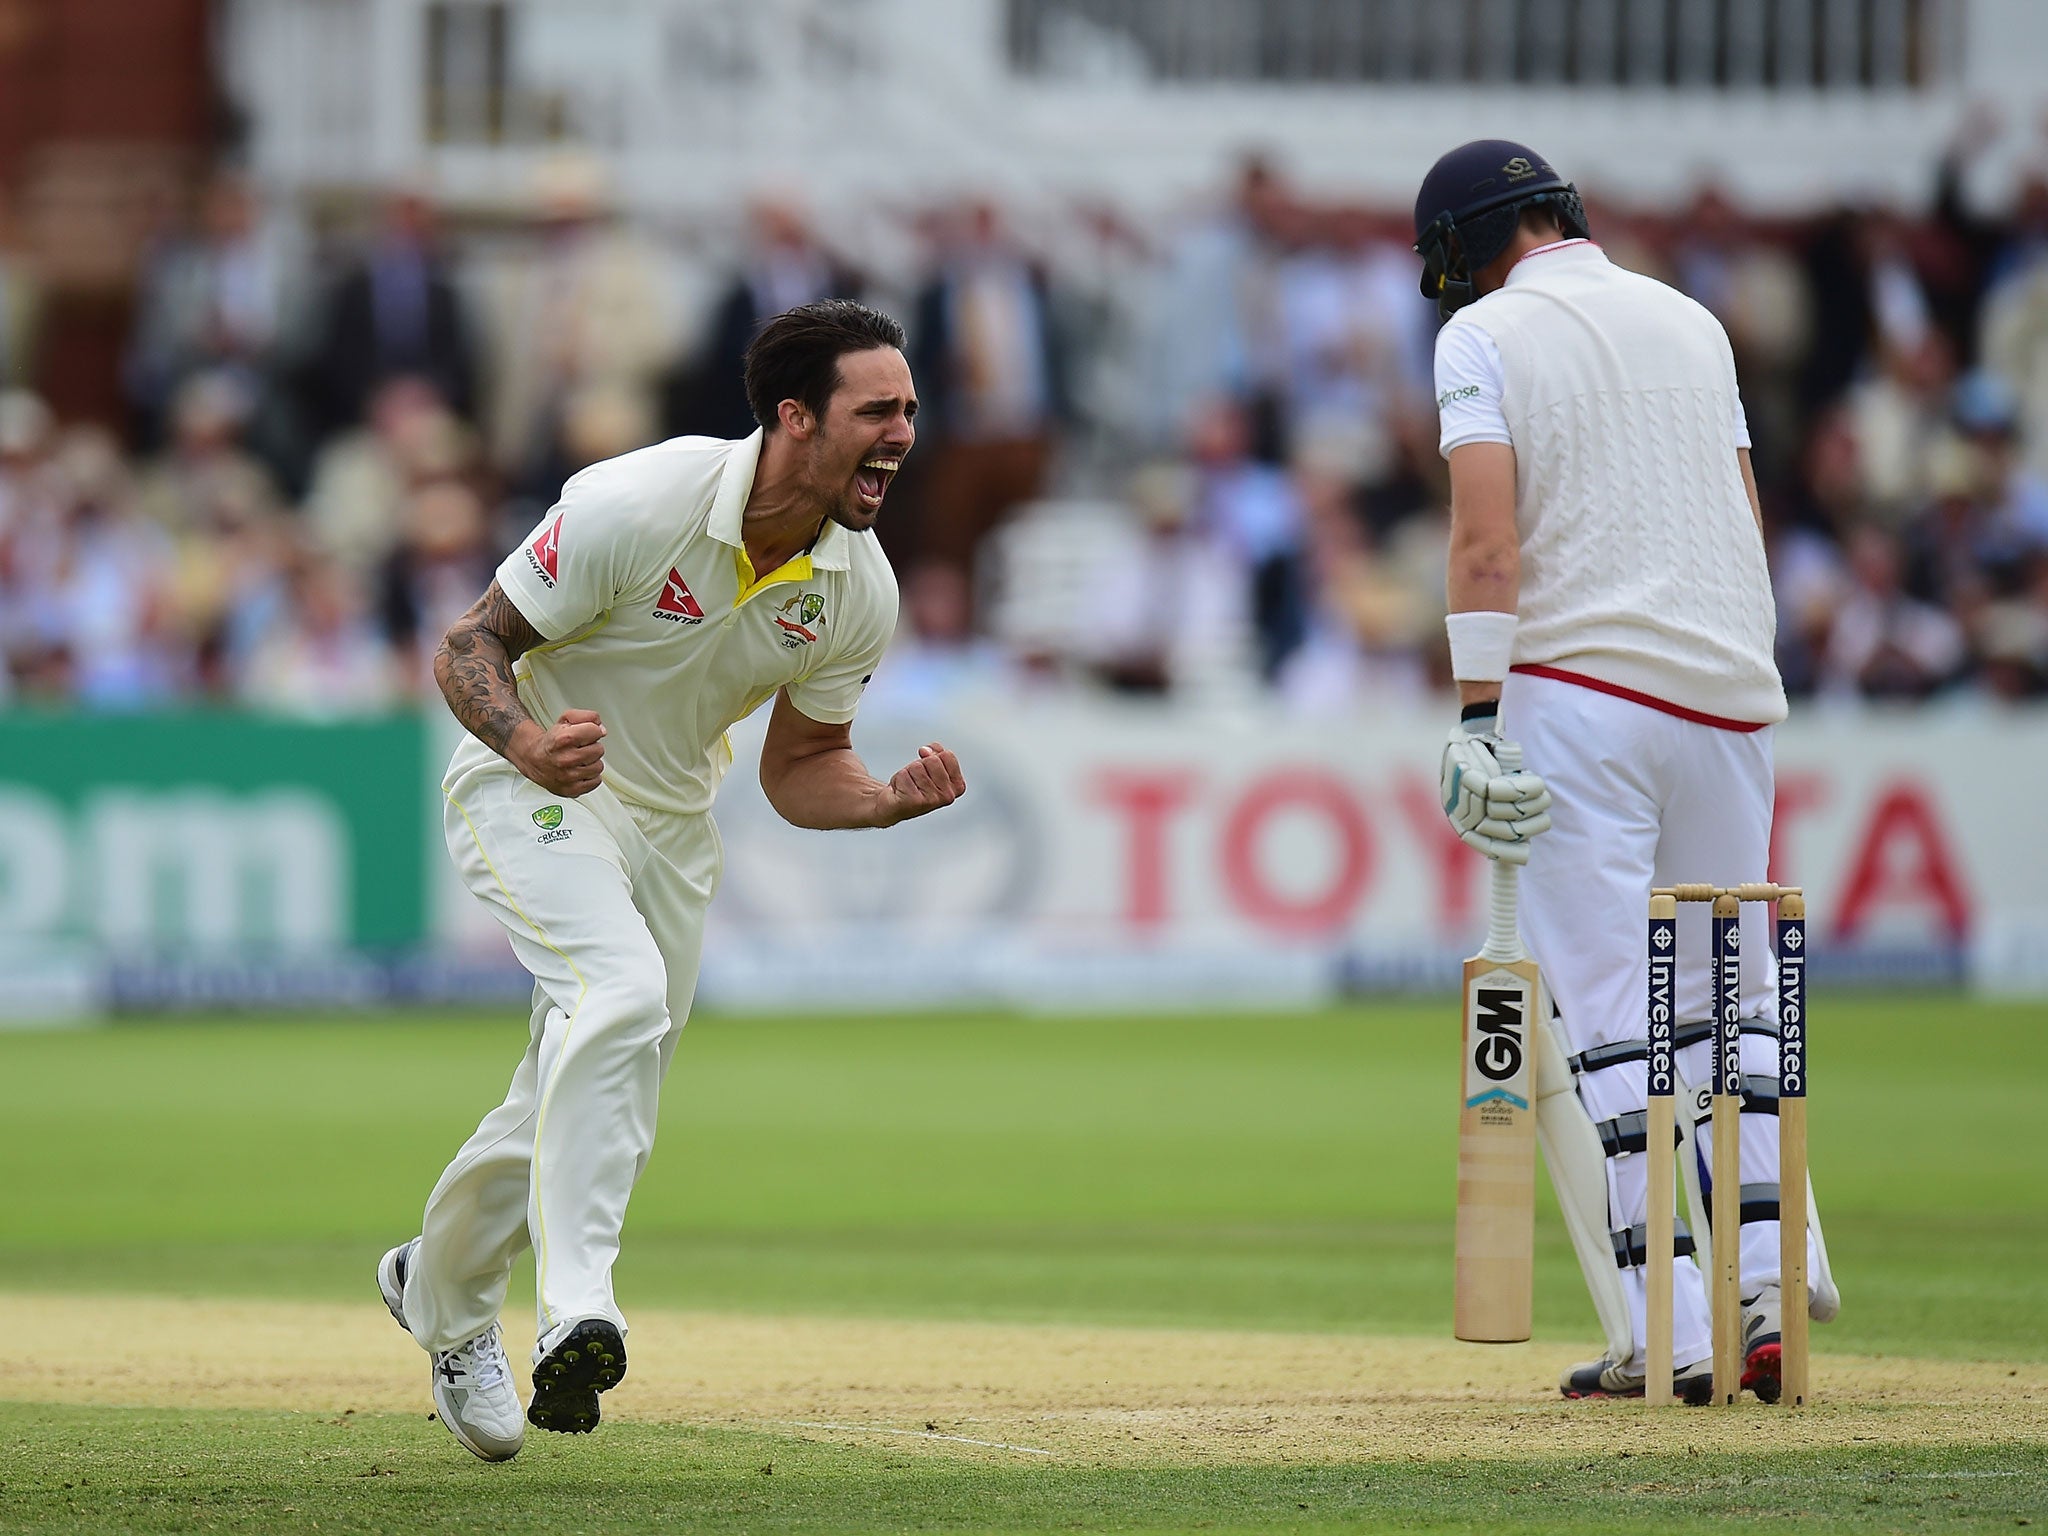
1642 565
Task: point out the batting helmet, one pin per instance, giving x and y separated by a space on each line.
1470 206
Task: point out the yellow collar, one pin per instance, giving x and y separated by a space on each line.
802 568
832 550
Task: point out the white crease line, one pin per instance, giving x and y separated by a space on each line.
915 1434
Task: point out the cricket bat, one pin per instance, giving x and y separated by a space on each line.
1503 999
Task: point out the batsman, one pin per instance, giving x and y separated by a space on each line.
669 593
1610 605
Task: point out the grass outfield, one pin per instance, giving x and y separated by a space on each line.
155 1471
1257 1175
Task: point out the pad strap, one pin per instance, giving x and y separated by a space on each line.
1625 1133
1601 1057
1631 1246
1759 1203
1759 1094
1621 1052
1629 1133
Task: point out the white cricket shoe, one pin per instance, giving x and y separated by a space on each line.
391 1272
473 1389
1691 1384
1763 1346
472 1382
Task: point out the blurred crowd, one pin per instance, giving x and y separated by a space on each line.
1195 458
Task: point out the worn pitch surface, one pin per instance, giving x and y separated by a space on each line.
1091 1396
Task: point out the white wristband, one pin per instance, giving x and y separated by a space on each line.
1482 645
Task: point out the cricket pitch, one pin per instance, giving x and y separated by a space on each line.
1084 1396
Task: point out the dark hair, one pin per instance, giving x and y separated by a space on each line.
796 355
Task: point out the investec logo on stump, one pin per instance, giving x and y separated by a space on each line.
1497 1071
1663 968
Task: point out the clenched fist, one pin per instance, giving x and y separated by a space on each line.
566 758
925 785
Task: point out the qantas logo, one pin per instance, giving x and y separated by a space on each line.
676 604
543 552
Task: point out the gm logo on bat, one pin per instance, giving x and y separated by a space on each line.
1498 1049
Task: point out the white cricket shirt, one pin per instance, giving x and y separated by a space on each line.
1642 568
638 580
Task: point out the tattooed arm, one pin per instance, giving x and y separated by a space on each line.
474 668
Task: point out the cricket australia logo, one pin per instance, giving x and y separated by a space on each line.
549 819
800 619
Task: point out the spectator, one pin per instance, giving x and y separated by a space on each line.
2012 643
214 300
1836 260
362 480
314 652
205 477
989 379
584 309
27 477
783 266
1883 644
1950 550
602 422
1162 609
394 313
1108 270
1367 626
1897 415
936 659
1221 267
97 587
2012 637
2013 320
1756 290
1252 512
1354 348
427 582
225 521
31 510
1905 489
1986 413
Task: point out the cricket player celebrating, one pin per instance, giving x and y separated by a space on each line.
667 594
1609 601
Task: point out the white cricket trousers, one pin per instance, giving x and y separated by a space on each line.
1645 798
604 901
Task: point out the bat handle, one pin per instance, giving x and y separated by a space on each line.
1502 940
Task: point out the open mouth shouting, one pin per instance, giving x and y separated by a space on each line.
871 481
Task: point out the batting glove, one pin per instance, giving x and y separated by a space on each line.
1494 810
